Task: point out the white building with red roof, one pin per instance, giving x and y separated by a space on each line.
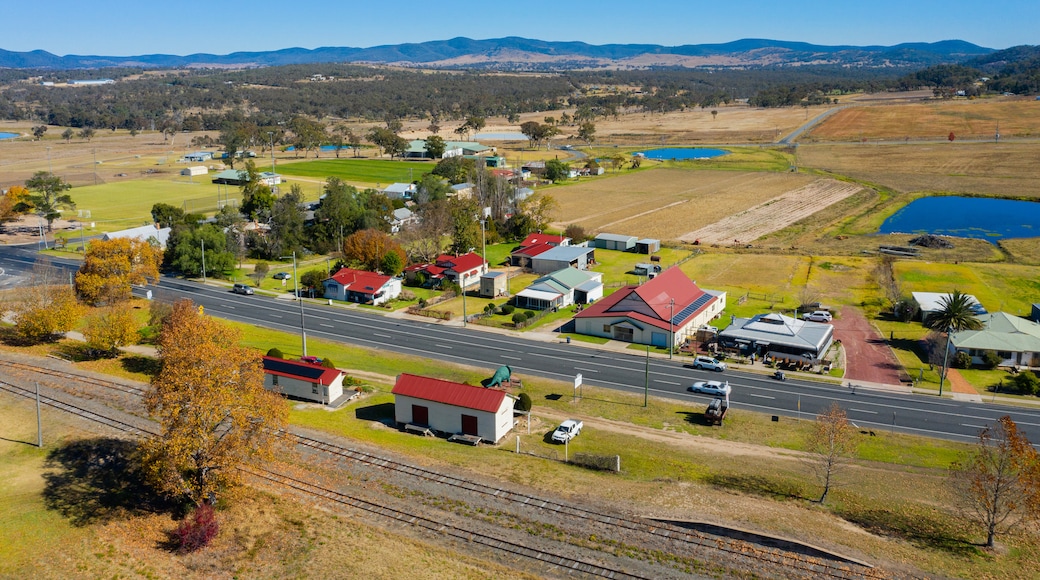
303 380
464 270
540 238
361 286
533 245
670 304
452 408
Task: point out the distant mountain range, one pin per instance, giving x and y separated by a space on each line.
514 53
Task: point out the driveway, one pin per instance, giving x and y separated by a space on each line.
868 357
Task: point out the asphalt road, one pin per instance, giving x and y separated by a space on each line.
868 409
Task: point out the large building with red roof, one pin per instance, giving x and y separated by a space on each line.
452 408
361 286
669 304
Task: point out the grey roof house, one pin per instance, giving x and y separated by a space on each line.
1016 340
779 336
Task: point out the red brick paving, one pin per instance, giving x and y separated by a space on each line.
959 384
868 357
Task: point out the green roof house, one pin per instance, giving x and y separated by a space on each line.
1016 340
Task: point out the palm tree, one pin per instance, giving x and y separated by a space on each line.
956 313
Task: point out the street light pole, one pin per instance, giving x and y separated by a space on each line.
946 358
296 290
671 327
203 259
271 135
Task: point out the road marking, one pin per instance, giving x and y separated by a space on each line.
666 382
761 396
327 325
586 370
864 411
441 346
510 357
381 335
973 426
276 315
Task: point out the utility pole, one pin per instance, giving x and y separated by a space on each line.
646 383
203 259
39 424
296 290
671 327
946 358
95 166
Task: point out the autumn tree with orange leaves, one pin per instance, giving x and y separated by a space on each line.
110 328
998 485
215 415
111 267
368 248
46 307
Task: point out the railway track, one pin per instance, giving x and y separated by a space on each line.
810 566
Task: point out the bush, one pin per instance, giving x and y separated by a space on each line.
275 353
422 303
507 309
1026 383
197 530
523 402
327 363
519 319
961 360
991 359
529 314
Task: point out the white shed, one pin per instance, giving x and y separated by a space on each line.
451 408
302 380
194 170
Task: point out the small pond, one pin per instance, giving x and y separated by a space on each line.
682 153
4 135
984 218
323 148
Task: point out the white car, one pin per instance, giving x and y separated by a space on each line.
567 430
706 362
817 316
717 388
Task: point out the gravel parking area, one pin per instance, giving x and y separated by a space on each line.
868 356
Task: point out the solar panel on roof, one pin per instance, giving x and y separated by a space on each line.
682 314
282 366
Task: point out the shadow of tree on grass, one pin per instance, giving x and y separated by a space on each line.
145 365
97 480
758 485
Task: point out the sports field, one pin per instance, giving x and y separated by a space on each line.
366 172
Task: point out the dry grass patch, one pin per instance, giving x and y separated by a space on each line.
1023 250
971 119
667 203
1003 169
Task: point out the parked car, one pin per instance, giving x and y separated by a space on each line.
706 362
241 289
567 430
717 388
282 276
817 316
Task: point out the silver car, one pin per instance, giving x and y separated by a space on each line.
717 388
706 362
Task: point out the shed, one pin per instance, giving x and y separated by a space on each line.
618 242
303 380
194 170
493 284
198 156
646 269
648 246
560 257
452 408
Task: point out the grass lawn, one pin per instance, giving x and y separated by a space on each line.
365 171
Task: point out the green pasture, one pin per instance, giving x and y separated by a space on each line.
1007 288
738 159
367 171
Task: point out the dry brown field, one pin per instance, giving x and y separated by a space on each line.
666 203
1003 169
966 119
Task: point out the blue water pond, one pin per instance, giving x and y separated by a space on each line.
4 135
682 153
983 218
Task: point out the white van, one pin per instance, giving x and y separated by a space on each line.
817 316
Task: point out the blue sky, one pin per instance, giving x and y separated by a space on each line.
124 27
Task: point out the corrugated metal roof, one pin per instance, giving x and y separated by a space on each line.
300 370
449 393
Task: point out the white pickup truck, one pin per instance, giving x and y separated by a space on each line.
567 430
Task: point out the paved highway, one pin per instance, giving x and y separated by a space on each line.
868 409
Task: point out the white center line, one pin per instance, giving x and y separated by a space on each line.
510 357
276 316
666 382
586 370
973 426
327 325
380 335
760 396
864 411
442 346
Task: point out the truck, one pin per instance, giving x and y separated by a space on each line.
716 411
567 430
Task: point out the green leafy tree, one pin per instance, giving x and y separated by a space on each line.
184 251
956 312
257 198
287 231
38 131
47 197
233 139
998 485
312 279
166 215
435 146
465 228
388 141
556 170
432 188
393 263
587 133
67 135
86 133
455 169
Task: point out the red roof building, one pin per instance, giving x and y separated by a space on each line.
302 379
670 303
464 270
448 407
539 238
522 257
361 286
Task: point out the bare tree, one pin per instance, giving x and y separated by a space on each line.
998 485
832 440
